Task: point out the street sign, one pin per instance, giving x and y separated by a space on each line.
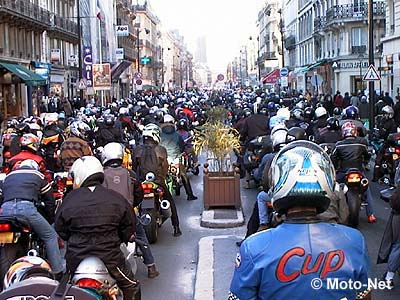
119 53
81 85
139 81
122 30
371 74
220 77
138 75
284 72
284 81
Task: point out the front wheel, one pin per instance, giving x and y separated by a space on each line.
152 229
354 203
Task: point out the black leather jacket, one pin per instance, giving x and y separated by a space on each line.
351 152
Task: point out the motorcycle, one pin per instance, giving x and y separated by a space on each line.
62 184
153 208
390 160
254 153
375 140
357 185
92 275
16 240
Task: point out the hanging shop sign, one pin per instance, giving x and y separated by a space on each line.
87 66
102 76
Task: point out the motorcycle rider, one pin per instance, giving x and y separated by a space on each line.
22 190
151 143
331 133
51 141
182 127
114 175
283 270
29 148
352 152
255 125
95 221
386 125
350 114
175 146
107 132
75 146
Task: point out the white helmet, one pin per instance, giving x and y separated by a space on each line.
124 111
85 167
388 111
79 129
283 112
152 131
29 163
94 268
168 119
278 135
112 151
320 112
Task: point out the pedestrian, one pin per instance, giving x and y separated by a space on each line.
67 107
389 251
346 100
285 262
354 100
388 100
338 100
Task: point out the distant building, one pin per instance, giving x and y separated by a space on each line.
201 50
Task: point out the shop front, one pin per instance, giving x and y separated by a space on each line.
348 75
18 86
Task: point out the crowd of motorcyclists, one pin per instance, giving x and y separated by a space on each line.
130 138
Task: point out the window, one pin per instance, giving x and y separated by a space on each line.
359 36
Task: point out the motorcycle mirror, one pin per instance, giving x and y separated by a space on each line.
145 219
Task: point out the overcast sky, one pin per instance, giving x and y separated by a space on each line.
227 24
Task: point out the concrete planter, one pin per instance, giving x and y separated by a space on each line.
221 190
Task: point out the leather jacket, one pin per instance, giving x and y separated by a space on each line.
283 262
351 152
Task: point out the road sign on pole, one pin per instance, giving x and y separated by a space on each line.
284 72
371 74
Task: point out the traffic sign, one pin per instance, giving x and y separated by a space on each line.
81 85
284 72
284 81
371 74
139 82
220 77
138 75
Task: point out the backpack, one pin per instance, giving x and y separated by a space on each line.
148 161
119 180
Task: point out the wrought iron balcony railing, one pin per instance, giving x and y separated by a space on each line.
338 13
26 9
64 24
319 23
358 49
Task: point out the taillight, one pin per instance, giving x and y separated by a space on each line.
397 150
354 177
5 227
89 283
147 186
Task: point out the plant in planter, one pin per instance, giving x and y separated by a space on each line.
218 141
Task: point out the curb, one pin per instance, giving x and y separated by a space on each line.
208 220
204 281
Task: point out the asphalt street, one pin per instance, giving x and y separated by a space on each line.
177 258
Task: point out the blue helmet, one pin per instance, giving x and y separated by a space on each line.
351 112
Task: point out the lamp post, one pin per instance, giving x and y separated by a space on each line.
371 62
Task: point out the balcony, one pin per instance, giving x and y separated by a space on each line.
358 49
319 23
64 28
290 42
351 12
25 14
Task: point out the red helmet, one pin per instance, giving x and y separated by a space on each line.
349 129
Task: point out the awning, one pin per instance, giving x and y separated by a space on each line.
315 65
118 69
150 87
26 75
272 77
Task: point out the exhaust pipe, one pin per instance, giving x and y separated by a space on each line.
165 208
364 182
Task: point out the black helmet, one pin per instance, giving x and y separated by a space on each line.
308 113
182 124
332 123
337 111
109 120
295 134
23 128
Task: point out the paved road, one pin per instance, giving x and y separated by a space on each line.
177 258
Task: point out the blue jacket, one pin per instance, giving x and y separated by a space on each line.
283 262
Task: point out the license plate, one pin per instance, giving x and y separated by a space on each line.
150 195
395 156
6 237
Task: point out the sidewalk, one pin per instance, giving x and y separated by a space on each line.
215 253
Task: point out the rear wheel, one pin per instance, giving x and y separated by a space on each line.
354 203
152 229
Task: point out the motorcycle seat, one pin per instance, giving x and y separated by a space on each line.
16 220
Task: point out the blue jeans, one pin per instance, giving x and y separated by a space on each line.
148 258
42 228
262 199
394 258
